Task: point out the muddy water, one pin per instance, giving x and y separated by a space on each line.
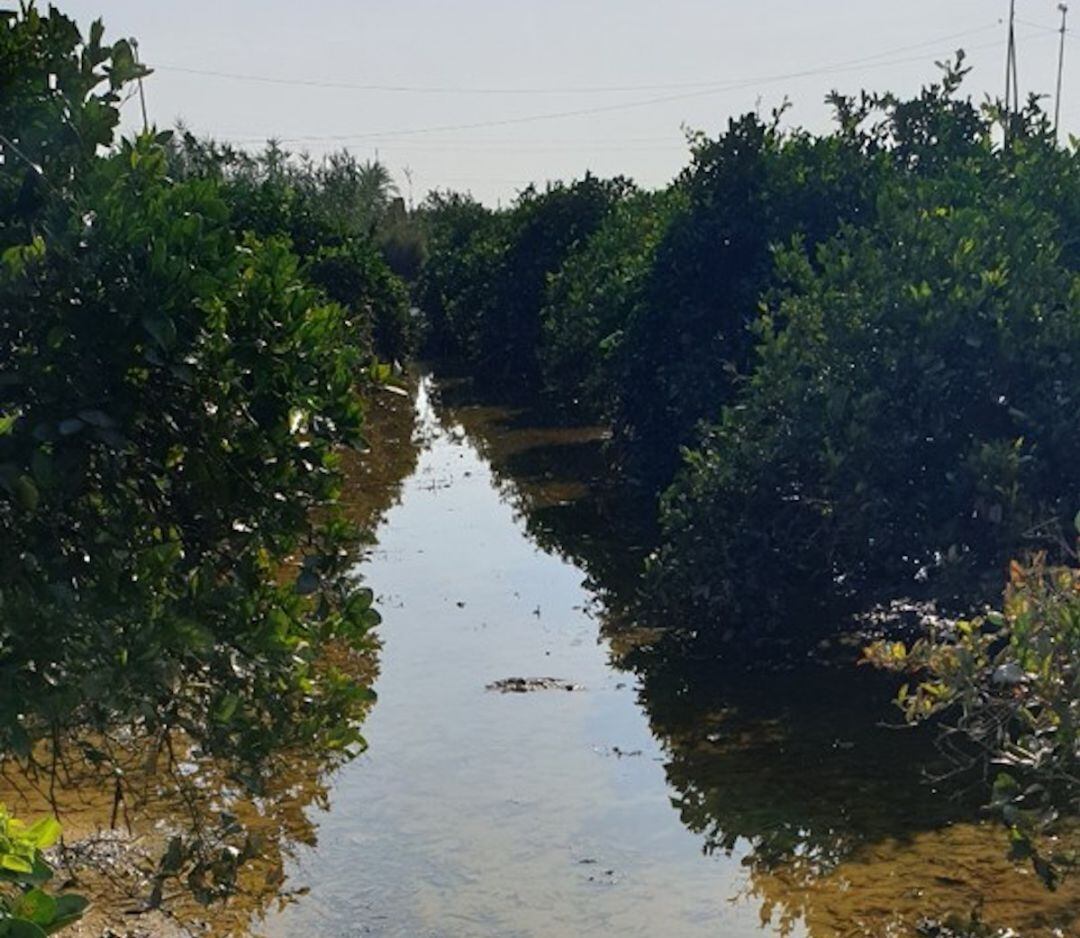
654 800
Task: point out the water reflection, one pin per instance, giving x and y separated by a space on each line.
556 477
119 814
793 772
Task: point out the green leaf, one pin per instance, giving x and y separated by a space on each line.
16 864
41 467
35 906
18 258
21 928
71 426
161 329
174 856
227 708
26 493
1006 789
44 833
69 909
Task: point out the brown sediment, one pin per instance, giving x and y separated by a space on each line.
113 845
958 872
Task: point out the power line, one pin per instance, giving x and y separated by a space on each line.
630 105
1046 29
509 145
449 90
615 147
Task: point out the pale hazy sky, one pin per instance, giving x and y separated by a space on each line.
642 68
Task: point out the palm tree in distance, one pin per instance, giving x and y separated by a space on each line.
359 194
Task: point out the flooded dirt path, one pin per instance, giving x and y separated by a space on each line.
609 802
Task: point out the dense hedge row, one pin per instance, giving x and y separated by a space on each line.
182 341
850 362
335 214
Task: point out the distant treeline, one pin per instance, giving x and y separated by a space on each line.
847 365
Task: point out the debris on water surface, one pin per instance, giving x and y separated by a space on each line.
617 752
606 878
526 685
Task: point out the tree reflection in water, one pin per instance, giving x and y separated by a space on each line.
120 816
802 772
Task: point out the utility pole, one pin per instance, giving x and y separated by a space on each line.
1061 69
142 94
1012 81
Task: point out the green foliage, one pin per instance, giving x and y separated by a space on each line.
459 272
26 909
276 192
485 303
689 338
862 347
1009 682
904 425
593 296
356 276
172 398
337 215
403 242
58 104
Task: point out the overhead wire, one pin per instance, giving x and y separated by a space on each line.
610 108
553 90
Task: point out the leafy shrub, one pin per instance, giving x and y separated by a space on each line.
488 298
170 405
355 276
26 909
459 273
333 214
277 192
593 296
1009 683
402 242
689 338
907 418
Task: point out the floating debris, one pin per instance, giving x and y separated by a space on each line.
527 685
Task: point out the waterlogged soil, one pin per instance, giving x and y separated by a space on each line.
538 766
536 769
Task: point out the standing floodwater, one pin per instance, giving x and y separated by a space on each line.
609 803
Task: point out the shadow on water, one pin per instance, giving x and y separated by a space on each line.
557 477
803 774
